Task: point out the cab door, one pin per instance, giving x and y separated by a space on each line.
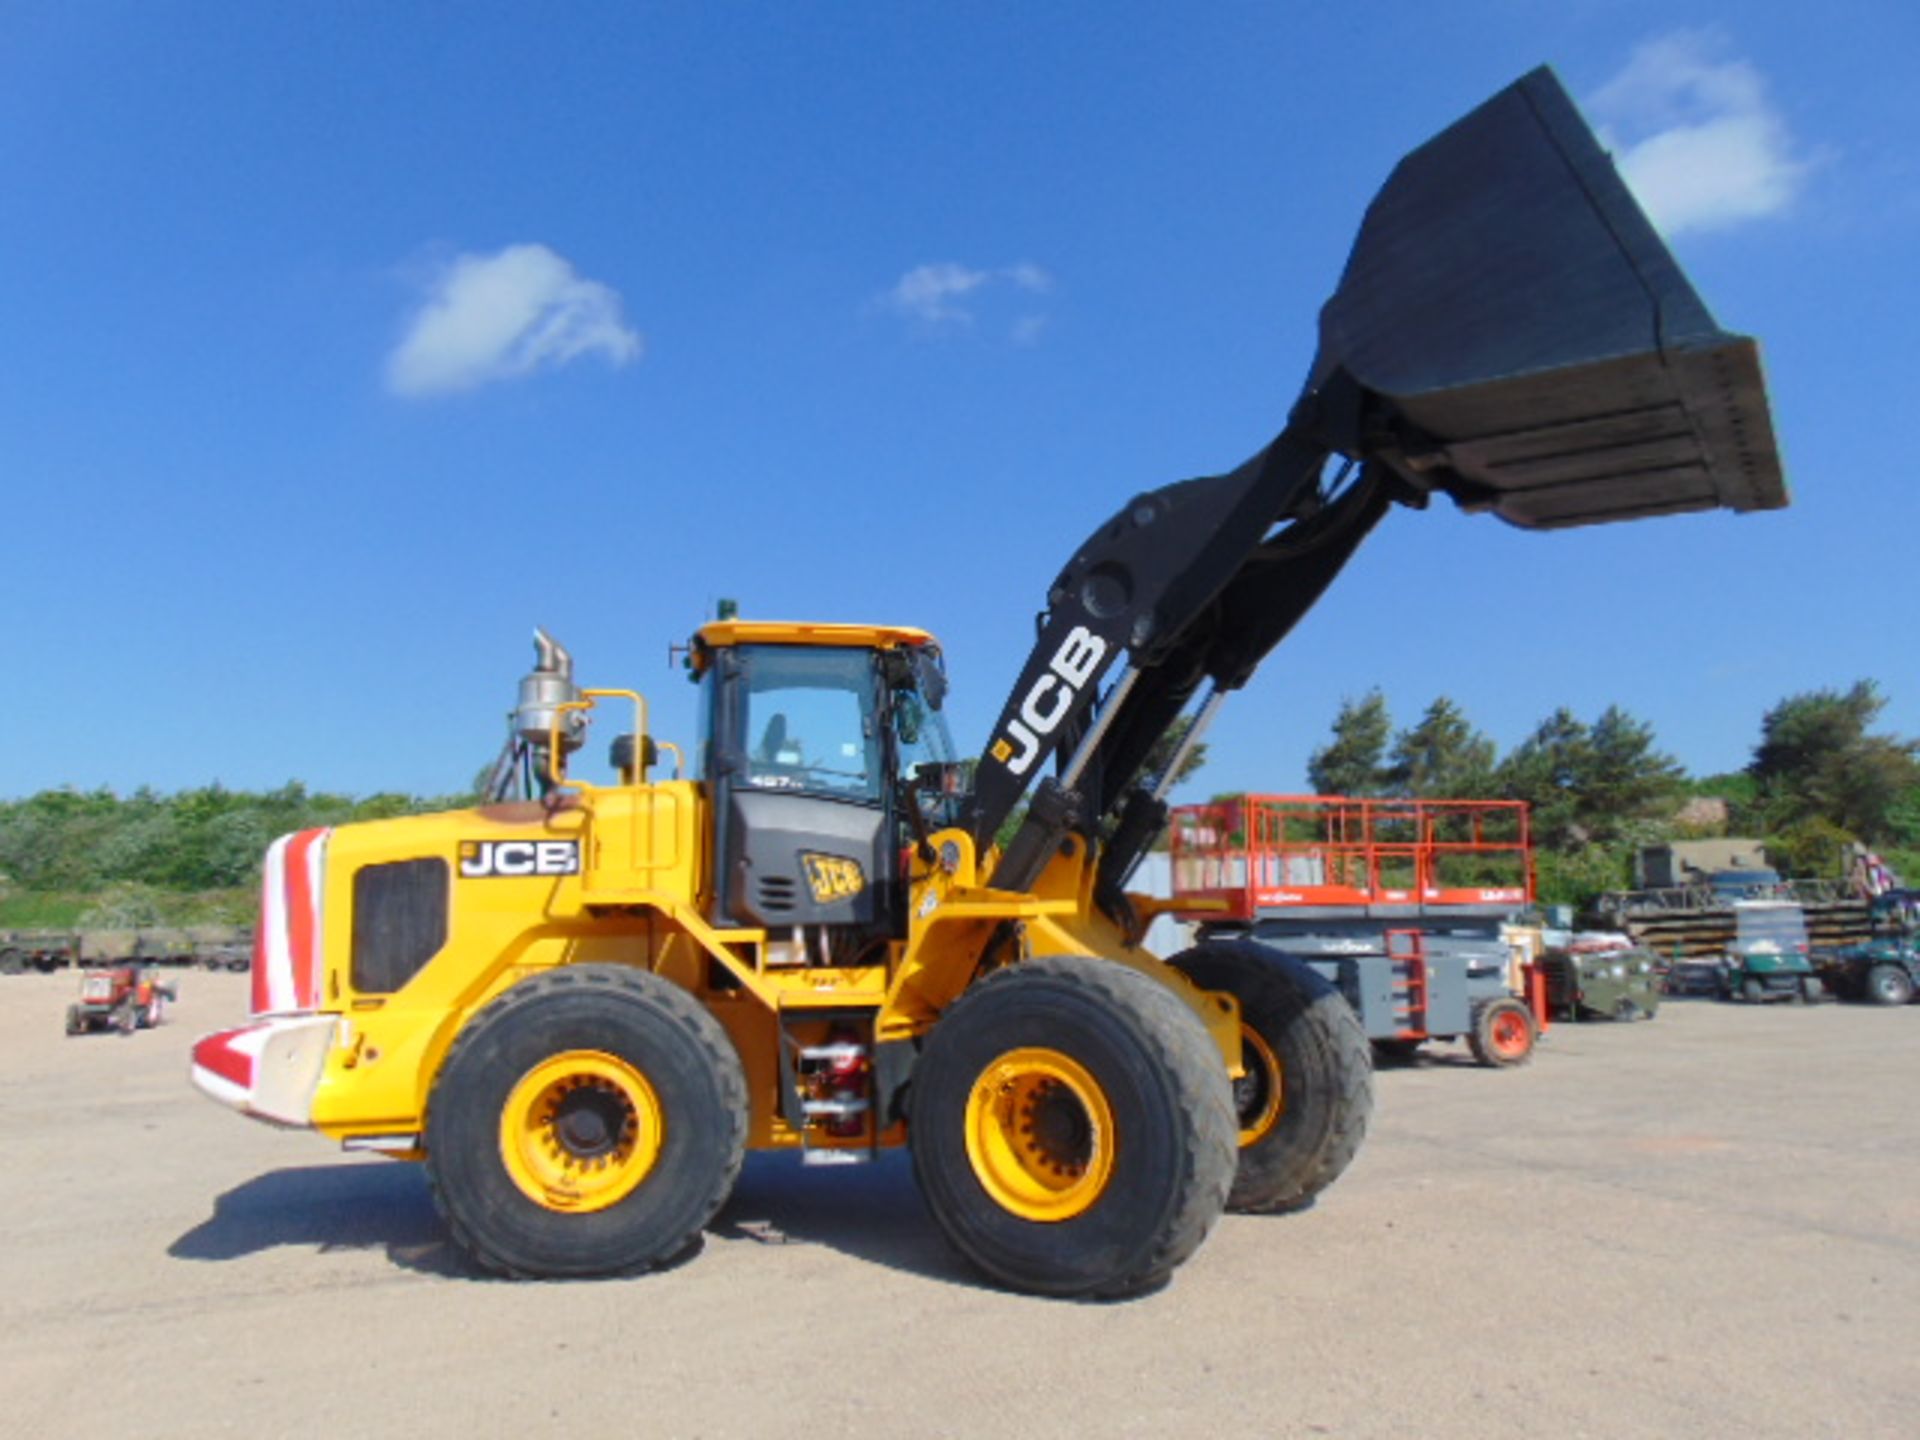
798 765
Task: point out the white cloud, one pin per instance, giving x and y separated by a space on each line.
929 292
945 294
505 315
1696 137
1029 276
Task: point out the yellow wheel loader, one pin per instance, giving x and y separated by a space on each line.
579 1004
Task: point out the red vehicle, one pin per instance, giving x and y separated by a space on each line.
1398 903
119 997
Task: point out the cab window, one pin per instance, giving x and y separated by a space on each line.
811 721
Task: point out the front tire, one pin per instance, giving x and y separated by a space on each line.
1888 985
1503 1034
1072 1128
1304 1103
589 1121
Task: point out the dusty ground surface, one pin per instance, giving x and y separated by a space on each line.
1707 1225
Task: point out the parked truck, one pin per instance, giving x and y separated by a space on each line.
579 1004
1683 906
1883 969
210 947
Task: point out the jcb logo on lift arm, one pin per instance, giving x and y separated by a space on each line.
1050 698
832 877
502 859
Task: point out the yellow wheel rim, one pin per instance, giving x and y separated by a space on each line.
1259 1096
580 1131
1040 1135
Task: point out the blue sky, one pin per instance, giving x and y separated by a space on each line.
342 343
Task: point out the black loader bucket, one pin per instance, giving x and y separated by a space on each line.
1509 331
1541 352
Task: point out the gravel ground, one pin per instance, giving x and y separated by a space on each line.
1707 1225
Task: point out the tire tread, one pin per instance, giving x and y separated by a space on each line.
1182 1050
687 1012
1337 1028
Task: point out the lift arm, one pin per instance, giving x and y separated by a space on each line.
1510 332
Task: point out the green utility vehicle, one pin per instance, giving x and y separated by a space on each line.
1769 959
1885 968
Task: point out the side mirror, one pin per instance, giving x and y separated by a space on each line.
930 675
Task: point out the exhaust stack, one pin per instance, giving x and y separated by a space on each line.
524 766
543 690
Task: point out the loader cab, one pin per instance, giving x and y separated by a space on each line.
809 737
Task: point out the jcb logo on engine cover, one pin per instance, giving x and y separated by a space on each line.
515 859
1049 699
833 877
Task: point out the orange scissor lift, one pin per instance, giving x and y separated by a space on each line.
1395 901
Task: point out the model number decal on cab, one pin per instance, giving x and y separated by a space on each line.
833 877
515 859
1073 664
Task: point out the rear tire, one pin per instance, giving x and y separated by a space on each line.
589 1121
1299 1128
1072 1128
1503 1034
76 1022
1888 985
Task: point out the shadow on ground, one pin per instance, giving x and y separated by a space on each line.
329 1207
870 1212
1446 1057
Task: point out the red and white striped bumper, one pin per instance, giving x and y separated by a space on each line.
287 945
269 1069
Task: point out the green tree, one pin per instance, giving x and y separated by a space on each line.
1627 780
1817 758
1354 762
1547 770
1442 757
69 842
1579 876
1604 785
1813 846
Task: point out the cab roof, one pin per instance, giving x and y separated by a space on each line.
721 634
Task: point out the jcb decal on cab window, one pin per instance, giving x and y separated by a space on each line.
832 877
516 859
